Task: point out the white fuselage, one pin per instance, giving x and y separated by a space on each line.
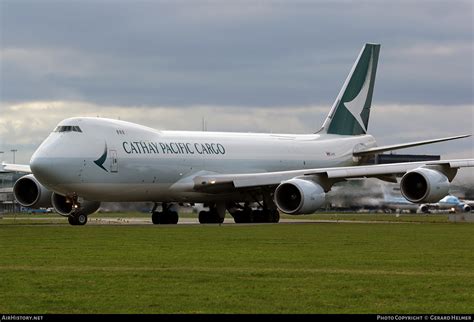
112 160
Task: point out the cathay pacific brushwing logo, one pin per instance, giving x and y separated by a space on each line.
100 161
357 104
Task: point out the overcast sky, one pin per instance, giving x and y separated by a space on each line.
251 66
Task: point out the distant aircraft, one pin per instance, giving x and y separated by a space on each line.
451 203
395 202
88 160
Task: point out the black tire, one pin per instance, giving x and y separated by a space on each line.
72 220
173 217
210 217
79 219
259 216
247 217
204 217
237 217
165 218
242 217
275 216
156 218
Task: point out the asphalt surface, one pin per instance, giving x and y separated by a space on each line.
182 221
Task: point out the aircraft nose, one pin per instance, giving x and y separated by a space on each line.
43 168
47 165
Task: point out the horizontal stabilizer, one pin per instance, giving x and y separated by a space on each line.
8 167
380 149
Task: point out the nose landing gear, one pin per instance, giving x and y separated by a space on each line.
76 217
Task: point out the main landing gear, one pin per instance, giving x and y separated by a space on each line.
215 215
168 215
244 214
248 215
267 212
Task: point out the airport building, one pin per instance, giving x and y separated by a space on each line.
7 201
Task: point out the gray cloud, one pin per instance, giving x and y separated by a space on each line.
233 53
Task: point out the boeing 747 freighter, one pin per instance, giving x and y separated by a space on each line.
88 160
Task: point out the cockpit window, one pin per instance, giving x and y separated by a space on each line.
67 128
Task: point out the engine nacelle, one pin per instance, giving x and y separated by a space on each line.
298 196
424 185
64 207
466 208
423 209
30 193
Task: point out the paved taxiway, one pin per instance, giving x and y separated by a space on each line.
195 221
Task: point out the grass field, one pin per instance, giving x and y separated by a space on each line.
278 268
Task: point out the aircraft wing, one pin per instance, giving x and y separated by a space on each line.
380 149
468 202
217 183
9 167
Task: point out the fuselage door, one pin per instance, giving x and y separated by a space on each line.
113 161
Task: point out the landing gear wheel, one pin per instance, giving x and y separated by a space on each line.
210 217
275 216
79 219
164 218
155 218
173 217
237 217
243 217
258 216
72 220
204 217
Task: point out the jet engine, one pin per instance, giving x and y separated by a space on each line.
30 193
64 207
466 208
424 185
423 209
298 196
